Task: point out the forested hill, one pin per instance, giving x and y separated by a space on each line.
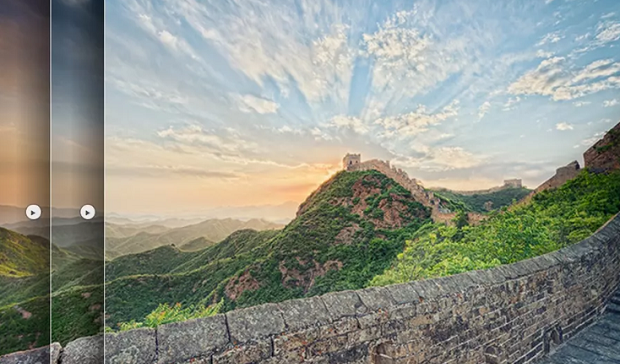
350 230
552 220
483 202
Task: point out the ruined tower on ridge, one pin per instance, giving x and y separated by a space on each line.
350 161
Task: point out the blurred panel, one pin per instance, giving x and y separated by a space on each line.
77 169
24 175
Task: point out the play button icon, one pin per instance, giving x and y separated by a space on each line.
33 212
87 212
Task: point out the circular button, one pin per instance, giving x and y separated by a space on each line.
33 212
87 212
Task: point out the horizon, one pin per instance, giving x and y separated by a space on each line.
209 107
236 103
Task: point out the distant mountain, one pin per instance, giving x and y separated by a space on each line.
281 213
196 244
84 238
346 232
144 221
153 236
16 214
122 231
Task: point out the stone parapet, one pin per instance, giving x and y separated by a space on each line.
509 314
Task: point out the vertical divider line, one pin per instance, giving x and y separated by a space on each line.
50 180
103 110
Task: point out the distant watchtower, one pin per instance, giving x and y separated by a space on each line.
350 161
514 183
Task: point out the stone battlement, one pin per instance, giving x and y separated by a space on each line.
439 213
513 313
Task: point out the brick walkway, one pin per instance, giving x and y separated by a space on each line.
597 344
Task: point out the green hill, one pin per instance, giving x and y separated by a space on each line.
77 299
482 202
346 232
552 220
22 256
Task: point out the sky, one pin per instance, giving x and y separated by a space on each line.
230 103
77 119
24 103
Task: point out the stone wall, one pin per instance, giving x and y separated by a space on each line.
510 314
426 198
604 155
561 176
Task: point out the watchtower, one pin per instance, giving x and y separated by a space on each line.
350 161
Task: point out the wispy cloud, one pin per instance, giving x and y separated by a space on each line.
610 103
483 109
581 103
563 126
552 37
272 88
554 77
415 122
249 103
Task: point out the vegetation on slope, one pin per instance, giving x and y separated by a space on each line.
552 220
479 202
25 298
347 232
21 256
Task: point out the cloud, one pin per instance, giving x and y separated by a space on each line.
411 53
415 122
164 171
511 101
195 135
300 46
610 103
608 31
553 37
319 134
439 159
349 122
563 126
581 103
249 103
589 141
483 109
553 78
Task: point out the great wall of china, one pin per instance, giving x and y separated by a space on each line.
516 313
353 162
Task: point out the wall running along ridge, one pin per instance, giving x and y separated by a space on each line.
509 314
426 198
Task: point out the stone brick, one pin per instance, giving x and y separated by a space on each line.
135 346
197 338
302 313
245 354
86 350
344 303
403 293
376 298
44 355
254 323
